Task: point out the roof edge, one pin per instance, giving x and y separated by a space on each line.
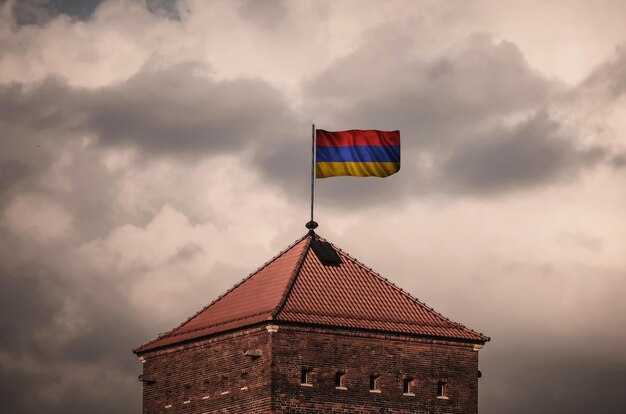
201 338
317 326
139 349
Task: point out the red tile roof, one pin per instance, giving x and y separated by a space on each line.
296 287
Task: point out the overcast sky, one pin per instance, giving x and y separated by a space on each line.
154 153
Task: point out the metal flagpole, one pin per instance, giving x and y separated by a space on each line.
311 225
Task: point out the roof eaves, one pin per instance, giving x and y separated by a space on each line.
466 339
202 337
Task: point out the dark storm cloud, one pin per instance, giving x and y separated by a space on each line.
16 386
539 380
50 106
21 394
532 152
25 307
42 11
33 300
165 8
174 111
30 12
383 84
448 111
177 111
10 173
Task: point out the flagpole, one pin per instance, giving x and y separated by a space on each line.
311 225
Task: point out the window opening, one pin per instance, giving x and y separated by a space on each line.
441 390
305 376
374 383
339 380
408 387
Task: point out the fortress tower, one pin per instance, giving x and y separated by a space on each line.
313 331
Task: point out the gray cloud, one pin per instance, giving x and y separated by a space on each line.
449 112
41 12
11 172
544 381
265 14
446 109
619 161
166 8
432 100
173 111
26 307
532 152
21 392
609 78
34 300
176 111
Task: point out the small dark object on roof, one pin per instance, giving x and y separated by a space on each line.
325 252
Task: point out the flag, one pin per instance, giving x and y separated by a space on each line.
359 153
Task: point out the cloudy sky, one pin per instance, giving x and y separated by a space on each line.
154 153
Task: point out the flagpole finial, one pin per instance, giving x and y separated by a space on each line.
311 225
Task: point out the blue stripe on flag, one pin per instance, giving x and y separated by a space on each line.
359 153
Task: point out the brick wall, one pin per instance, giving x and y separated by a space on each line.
231 382
393 358
211 376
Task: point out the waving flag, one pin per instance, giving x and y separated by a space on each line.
359 153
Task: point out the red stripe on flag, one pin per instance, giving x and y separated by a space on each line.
356 137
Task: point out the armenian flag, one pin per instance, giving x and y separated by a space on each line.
358 153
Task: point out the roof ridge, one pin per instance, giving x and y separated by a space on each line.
403 292
293 277
250 275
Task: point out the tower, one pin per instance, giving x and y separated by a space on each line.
313 331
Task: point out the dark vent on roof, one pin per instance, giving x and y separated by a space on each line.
325 252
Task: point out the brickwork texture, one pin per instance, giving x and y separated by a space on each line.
216 376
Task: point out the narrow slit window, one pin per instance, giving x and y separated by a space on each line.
339 379
374 383
441 389
408 387
305 376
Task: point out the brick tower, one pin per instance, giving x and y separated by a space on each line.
313 331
